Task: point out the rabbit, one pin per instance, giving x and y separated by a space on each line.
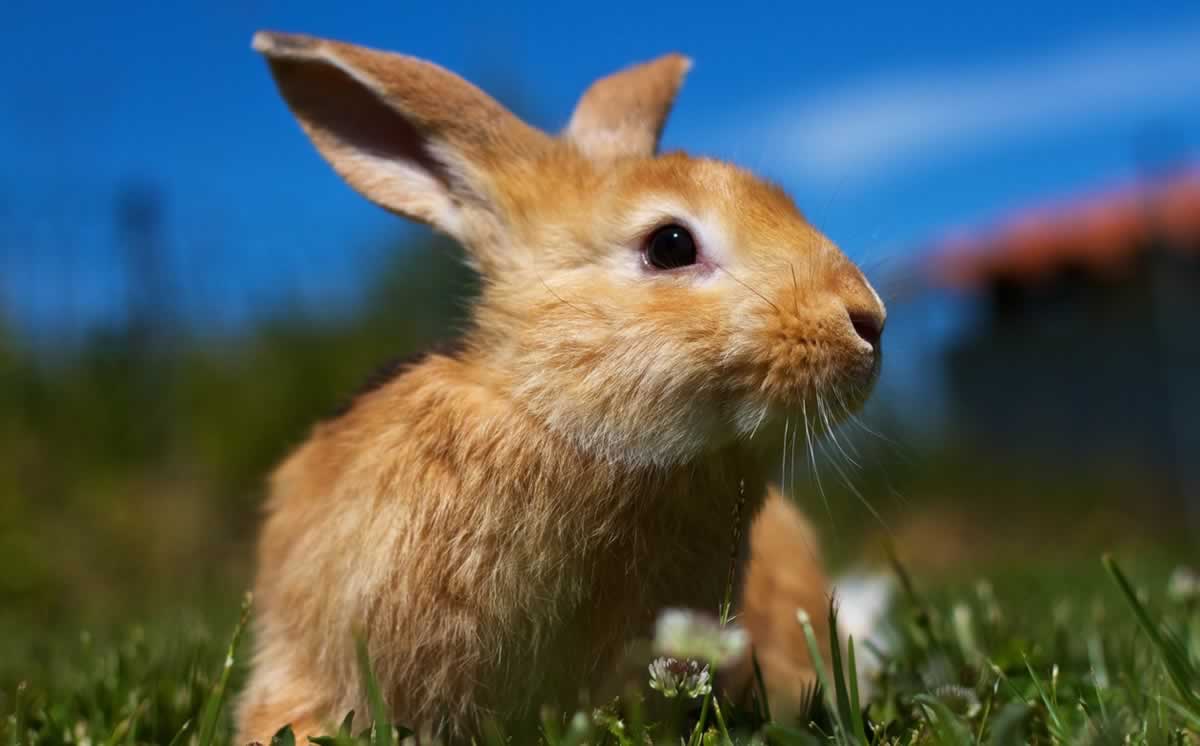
500 523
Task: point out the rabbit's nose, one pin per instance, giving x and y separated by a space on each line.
868 324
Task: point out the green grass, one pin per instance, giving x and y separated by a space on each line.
1090 655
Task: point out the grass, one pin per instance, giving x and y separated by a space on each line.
1101 655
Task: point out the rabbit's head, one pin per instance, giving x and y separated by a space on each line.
650 307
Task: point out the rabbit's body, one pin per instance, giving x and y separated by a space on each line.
487 577
501 523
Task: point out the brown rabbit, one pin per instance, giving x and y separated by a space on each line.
501 523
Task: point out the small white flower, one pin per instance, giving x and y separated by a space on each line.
688 634
1184 585
673 677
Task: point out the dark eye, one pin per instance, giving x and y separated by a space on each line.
669 247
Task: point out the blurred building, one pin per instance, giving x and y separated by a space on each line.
1085 352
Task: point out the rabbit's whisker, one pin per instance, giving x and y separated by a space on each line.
565 302
812 457
829 428
846 415
861 497
858 421
783 463
895 447
792 463
760 295
795 290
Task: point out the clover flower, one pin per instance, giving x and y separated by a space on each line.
673 677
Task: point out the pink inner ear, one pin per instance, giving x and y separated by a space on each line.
333 105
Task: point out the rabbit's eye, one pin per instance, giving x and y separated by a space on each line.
669 247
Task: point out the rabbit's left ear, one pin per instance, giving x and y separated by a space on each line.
623 114
410 136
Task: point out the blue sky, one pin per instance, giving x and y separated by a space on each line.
891 124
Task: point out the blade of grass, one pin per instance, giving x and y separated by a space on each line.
762 687
855 704
347 726
783 735
635 717
551 729
127 728
814 652
284 737
839 676
493 734
987 712
726 739
1171 651
1056 725
1192 718
811 698
131 735
216 701
380 715
698 731
17 721
177 740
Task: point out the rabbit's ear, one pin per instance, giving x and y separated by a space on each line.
409 135
624 114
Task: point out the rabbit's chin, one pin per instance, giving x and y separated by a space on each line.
764 421
667 437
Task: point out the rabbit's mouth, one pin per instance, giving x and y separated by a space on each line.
797 365
804 378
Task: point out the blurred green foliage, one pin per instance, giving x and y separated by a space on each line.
1010 659
139 456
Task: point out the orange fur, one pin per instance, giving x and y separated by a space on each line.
623 115
501 524
784 574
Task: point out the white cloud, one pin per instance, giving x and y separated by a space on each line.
880 124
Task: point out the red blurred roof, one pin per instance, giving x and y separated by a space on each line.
1100 231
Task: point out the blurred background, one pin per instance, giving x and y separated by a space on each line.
185 287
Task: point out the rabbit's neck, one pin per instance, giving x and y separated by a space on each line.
609 392
500 431
589 526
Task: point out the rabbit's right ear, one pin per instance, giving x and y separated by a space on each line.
624 114
407 134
